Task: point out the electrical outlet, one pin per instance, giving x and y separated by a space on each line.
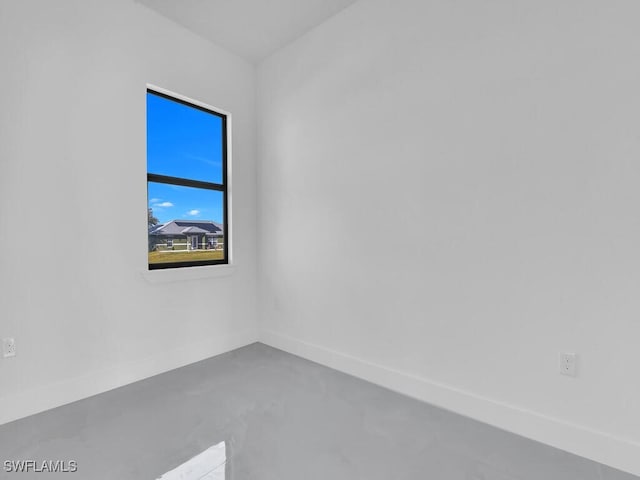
568 364
8 347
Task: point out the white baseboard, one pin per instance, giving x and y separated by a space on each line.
601 447
29 402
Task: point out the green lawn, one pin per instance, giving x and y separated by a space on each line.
185 256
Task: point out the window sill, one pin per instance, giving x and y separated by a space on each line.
187 273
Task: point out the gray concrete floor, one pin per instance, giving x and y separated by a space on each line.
282 418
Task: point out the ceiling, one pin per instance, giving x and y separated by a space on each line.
253 29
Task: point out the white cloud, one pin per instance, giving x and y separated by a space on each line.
163 205
193 213
155 200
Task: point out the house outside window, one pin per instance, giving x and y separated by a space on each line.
187 195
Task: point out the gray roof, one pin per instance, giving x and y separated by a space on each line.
194 230
184 227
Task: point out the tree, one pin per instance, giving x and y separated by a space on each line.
152 220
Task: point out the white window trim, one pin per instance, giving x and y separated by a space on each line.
168 275
205 271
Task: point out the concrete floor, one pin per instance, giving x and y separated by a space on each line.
282 418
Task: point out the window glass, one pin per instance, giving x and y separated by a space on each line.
186 184
183 141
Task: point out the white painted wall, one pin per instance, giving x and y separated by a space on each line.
449 196
73 201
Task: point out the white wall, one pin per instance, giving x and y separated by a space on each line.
448 197
73 201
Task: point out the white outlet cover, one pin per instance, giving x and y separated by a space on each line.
567 364
8 347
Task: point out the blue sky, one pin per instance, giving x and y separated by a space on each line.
183 142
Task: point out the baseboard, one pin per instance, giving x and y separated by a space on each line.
32 401
619 453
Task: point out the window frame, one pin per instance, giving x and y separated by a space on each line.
222 187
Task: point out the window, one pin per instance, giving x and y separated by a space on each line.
186 183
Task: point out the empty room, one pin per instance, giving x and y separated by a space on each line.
320 239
